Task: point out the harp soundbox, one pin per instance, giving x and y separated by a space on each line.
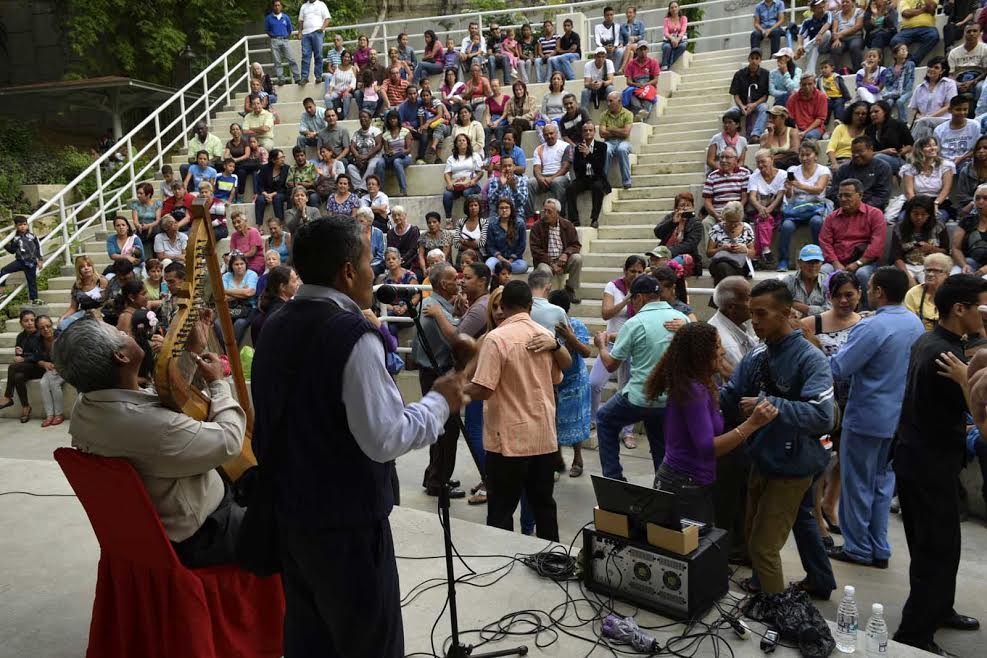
175 368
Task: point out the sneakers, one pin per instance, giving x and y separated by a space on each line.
572 295
783 265
642 115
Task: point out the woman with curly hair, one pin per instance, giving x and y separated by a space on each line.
693 424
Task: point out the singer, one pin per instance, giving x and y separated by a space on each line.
329 419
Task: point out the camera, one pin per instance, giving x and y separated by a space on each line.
688 215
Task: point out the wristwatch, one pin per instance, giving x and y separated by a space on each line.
559 343
858 263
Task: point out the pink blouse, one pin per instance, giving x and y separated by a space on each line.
243 243
673 30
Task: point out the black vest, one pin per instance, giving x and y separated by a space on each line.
325 480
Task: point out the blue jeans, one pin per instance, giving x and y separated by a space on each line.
670 54
426 69
759 118
449 196
622 149
312 47
863 276
788 228
261 204
543 68
473 424
892 161
587 95
925 37
613 416
815 133
563 64
505 67
517 267
398 163
336 100
866 488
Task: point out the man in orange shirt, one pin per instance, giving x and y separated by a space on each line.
519 417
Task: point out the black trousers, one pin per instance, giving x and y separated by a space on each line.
931 516
507 477
18 375
721 269
579 185
342 593
442 453
215 541
692 500
730 499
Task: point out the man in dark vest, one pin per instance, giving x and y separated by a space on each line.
331 418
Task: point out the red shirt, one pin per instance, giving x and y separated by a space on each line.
168 207
804 112
395 92
635 70
841 233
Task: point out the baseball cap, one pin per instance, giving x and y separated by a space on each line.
778 110
785 51
645 285
661 251
642 44
811 252
600 51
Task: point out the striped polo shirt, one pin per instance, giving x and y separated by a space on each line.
547 45
725 186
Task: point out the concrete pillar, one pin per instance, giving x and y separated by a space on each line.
114 98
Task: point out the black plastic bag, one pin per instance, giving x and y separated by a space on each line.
796 619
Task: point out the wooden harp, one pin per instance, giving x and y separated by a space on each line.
175 368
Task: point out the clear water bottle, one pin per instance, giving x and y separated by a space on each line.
877 633
846 622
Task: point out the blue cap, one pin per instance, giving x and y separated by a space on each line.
811 252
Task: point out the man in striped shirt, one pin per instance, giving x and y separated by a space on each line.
723 185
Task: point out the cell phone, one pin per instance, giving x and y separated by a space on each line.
688 215
791 175
769 641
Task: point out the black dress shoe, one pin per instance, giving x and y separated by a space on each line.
880 564
828 542
833 528
456 492
813 592
454 484
960 622
842 556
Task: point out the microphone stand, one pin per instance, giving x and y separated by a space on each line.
457 649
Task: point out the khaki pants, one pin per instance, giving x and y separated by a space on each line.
772 505
573 268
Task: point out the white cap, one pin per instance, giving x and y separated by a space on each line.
877 609
849 590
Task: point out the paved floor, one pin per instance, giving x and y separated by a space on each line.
48 553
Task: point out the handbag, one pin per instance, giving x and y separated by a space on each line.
646 93
238 309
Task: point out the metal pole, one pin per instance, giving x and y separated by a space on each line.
157 140
226 81
130 165
100 198
181 109
205 93
66 255
384 49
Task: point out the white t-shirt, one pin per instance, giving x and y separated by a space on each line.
961 60
380 200
766 189
801 195
550 157
462 169
312 16
341 80
954 143
606 36
591 71
616 322
928 184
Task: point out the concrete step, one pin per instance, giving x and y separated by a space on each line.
642 205
648 172
653 213
625 232
674 146
682 124
626 247
654 186
648 155
698 91
655 166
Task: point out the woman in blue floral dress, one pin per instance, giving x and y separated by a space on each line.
572 415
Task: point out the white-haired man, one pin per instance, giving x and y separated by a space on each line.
175 455
555 247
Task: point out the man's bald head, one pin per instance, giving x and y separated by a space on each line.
732 297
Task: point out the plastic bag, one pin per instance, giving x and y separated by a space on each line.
796 619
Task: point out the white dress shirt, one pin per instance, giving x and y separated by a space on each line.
737 341
312 16
382 425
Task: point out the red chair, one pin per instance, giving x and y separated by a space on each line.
147 603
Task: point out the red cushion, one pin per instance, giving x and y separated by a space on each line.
147 603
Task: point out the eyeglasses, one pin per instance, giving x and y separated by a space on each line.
934 270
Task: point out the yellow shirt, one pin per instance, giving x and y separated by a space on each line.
831 87
840 142
928 313
925 19
265 118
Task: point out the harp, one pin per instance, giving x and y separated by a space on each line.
175 368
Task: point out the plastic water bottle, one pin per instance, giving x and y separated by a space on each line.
846 622
877 633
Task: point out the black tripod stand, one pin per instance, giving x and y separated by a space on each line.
457 649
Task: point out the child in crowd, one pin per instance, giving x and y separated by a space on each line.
226 183
957 136
168 184
837 95
154 285
467 258
27 258
451 57
501 275
370 98
872 78
217 210
200 171
511 51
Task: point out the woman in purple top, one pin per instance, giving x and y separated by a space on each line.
694 435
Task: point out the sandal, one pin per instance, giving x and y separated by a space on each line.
629 441
58 420
576 470
8 404
25 417
46 422
833 528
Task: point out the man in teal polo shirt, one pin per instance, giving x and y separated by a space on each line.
643 339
